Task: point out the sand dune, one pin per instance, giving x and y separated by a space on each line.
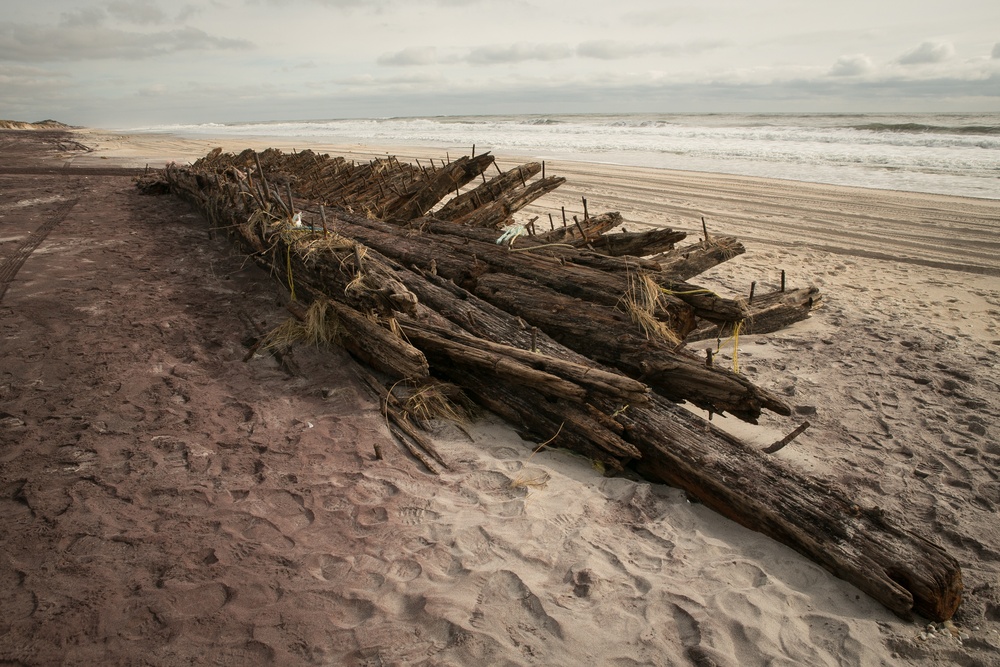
166 503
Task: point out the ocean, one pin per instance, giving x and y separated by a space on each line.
945 153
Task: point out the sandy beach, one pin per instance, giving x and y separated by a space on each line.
165 502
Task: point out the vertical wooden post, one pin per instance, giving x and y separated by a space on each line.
473 150
782 280
262 179
552 225
357 258
322 215
291 202
586 216
704 228
564 215
543 170
753 286
708 356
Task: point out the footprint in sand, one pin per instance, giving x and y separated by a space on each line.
506 605
372 491
287 510
405 570
369 517
195 601
414 516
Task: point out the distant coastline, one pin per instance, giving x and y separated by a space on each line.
39 125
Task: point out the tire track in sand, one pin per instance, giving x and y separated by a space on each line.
14 263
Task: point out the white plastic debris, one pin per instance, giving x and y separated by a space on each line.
511 232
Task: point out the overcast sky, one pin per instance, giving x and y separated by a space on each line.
127 63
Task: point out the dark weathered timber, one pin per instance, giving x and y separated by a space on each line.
610 337
495 214
585 380
637 244
375 345
464 260
692 260
467 202
819 519
493 362
592 226
557 423
436 186
524 243
767 312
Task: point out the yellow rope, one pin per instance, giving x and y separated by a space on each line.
288 264
694 291
736 345
539 247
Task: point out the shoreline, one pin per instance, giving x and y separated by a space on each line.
123 146
259 523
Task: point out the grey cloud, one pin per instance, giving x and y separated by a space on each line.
996 50
611 50
338 4
516 53
928 52
88 16
615 50
852 65
141 12
418 55
24 42
662 17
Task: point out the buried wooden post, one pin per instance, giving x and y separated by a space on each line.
291 202
564 215
753 286
552 225
704 228
782 280
322 216
708 357
586 216
787 439
543 169
583 234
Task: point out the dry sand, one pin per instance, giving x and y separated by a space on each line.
162 502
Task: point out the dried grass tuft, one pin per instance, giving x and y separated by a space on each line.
283 336
729 246
642 302
435 400
320 327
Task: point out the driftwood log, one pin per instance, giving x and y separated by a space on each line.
574 394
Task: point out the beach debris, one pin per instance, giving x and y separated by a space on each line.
573 344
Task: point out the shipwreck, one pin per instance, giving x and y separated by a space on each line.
575 334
